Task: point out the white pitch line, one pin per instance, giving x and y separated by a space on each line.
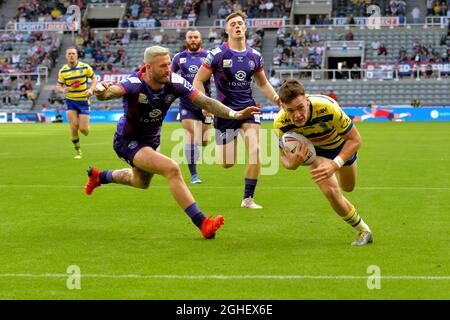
222 277
223 187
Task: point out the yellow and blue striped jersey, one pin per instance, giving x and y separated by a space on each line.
325 127
68 76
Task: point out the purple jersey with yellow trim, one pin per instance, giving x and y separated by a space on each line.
187 64
145 109
233 73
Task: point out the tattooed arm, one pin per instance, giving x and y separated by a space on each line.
222 111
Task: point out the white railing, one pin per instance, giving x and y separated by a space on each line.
41 72
356 74
437 21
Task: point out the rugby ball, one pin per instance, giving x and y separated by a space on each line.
100 87
290 140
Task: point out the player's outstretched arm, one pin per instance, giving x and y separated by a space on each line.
201 77
91 89
266 88
222 111
62 88
107 91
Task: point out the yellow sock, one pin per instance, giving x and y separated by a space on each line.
354 219
76 143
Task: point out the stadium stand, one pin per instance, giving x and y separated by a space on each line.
288 51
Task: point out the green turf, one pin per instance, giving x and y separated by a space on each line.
47 223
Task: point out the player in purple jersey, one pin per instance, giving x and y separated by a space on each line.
234 65
147 95
192 118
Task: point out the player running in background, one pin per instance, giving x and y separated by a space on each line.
372 112
73 82
193 120
336 140
147 96
234 65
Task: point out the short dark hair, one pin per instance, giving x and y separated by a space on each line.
290 90
236 14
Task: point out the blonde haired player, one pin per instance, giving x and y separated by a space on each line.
336 140
147 96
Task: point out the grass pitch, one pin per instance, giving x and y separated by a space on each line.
137 244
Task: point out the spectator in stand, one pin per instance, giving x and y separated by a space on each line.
6 83
55 96
382 51
28 88
437 8
350 20
315 37
332 95
209 8
212 35
9 99
375 45
158 38
134 9
349 36
274 80
430 6
343 70
23 96
415 13
355 74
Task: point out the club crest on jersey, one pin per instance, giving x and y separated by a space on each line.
155 113
132 145
193 69
227 63
142 98
170 98
182 60
240 75
251 64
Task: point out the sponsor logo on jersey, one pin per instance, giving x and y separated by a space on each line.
320 111
142 98
240 59
171 97
227 63
182 60
154 113
193 68
132 145
240 75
